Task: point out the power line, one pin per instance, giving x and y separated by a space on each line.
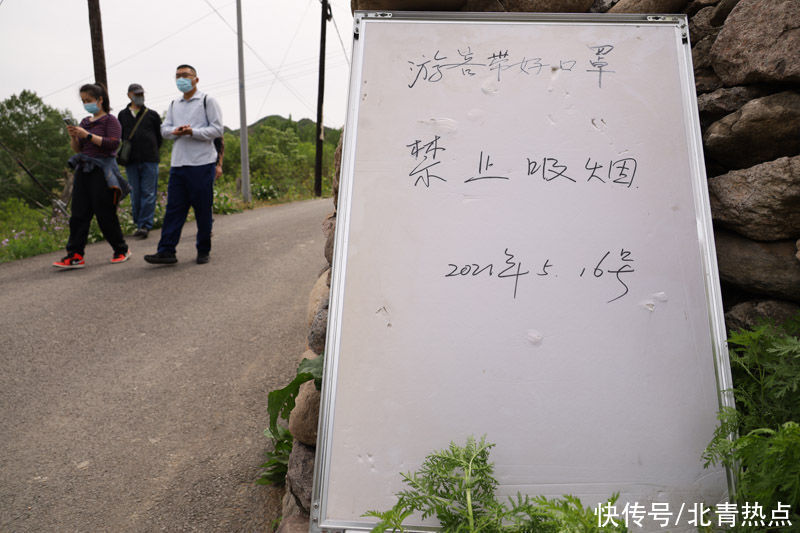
336 27
285 54
289 87
292 71
172 34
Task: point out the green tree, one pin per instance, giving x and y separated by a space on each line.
35 133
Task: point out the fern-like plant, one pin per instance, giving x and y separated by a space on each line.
765 454
457 487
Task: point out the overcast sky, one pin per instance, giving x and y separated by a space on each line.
45 47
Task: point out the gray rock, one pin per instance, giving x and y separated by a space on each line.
329 243
602 6
649 6
705 79
747 315
305 415
329 224
319 328
722 11
300 474
715 105
483 5
757 267
319 294
760 202
759 42
700 25
337 172
548 6
295 523
762 130
696 5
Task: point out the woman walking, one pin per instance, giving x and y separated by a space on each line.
98 186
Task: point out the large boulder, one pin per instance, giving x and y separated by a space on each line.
602 6
294 523
762 130
549 6
300 474
337 172
304 417
319 295
747 315
649 6
759 42
318 331
483 5
758 267
695 6
760 202
705 79
724 101
700 25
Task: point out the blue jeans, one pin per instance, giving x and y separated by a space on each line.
143 178
188 187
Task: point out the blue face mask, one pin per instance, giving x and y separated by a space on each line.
184 84
91 107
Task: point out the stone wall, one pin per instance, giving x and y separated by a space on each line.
746 56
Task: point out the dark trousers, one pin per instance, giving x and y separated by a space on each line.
92 197
188 187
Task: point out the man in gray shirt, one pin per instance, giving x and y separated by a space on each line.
194 121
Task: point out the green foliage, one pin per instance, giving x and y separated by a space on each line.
25 231
281 402
765 363
573 517
35 133
457 487
282 158
760 440
277 463
225 203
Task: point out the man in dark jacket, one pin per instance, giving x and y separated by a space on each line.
142 164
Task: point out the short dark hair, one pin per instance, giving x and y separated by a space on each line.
97 90
194 70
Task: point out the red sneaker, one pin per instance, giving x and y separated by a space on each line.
73 260
121 258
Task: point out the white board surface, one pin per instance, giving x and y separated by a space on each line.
523 251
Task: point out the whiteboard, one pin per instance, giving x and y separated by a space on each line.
523 251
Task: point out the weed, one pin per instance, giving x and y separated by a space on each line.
457 487
280 404
765 450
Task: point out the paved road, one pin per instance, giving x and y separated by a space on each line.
133 397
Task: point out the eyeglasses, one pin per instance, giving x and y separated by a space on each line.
183 75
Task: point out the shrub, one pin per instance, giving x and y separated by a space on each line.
760 439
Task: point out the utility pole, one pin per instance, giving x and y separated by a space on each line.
245 153
326 16
98 51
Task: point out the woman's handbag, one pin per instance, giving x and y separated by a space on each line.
125 146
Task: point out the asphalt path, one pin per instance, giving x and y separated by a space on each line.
133 396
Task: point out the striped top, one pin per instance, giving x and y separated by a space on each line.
107 127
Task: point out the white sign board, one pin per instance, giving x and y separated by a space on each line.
524 251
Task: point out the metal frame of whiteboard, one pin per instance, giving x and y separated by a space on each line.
705 234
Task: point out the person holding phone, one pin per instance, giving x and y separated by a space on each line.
98 186
194 120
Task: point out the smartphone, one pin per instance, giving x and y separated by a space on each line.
69 121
